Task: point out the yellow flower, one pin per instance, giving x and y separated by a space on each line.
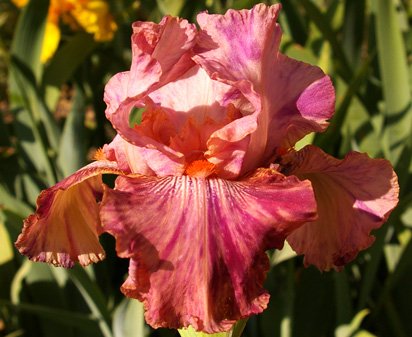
20 3
93 16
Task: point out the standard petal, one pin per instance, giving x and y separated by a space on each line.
291 98
233 46
239 48
209 120
299 99
354 196
65 227
161 53
147 160
197 246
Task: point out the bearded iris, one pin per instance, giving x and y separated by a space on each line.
210 180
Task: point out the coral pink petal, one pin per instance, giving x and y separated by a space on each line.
291 98
227 147
233 46
202 106
127 156
194 94
197 246
66 225
354 196
301 99
239 48
171 49
147 159
161 53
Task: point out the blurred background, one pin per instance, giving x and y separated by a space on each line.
55 59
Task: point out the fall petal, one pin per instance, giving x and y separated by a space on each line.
354 196
65 227
197 246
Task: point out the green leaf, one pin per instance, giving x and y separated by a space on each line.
12 204
93 297
26 94
354 21
322 23
348 330
128 319
6 247
72 150
82 321
67 59
27 123
28 39
314 305
170 7
135 116
395 81
327 139
344 310
35 281
277 319
295 21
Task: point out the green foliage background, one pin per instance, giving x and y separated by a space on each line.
52 116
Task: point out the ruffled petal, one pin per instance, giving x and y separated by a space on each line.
238 48
291 98
194 94
160 55
149 160
210 120
65 227
354 196
233 46
197 246
300 99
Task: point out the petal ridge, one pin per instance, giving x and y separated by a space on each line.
231 224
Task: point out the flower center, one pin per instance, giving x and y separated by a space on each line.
200 169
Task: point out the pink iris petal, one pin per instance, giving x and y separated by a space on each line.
161 53
204 119
128 156
300 100
291 98
66 225
197 246
354 196
234 46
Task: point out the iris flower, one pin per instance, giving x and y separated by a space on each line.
91 15
210 180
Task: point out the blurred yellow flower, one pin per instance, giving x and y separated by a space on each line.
91 15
